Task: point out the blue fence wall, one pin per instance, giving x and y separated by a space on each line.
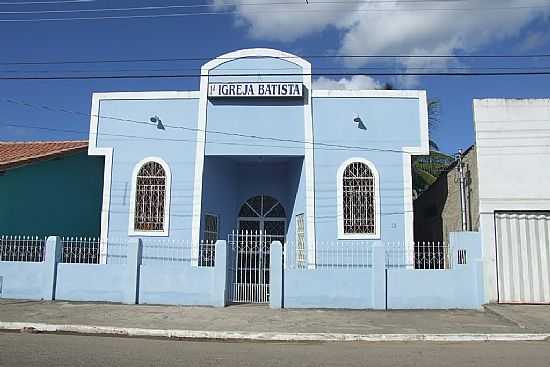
174 284
91 282
459 287
129 281
23 280
379 287
372 286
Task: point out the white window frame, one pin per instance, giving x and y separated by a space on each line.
340 202
217 226
131 219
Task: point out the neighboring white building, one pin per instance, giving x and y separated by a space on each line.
513 152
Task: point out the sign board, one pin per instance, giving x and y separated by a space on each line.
256 90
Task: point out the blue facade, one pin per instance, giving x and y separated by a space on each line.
224 151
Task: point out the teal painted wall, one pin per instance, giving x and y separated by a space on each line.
55 197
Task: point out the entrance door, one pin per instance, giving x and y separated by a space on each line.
262 220
523 257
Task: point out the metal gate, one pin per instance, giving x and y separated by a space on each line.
523 257
249 266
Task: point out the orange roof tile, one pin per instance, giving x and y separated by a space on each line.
15 154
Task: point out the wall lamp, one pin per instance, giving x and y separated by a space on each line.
359 123
156 120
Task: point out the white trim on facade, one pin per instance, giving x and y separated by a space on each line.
107 152
408 216
93 150
147 95
166 225
340 198
309 160
201 142
367 93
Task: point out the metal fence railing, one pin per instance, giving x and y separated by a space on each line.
80 250
207 254
22 248
177 251
355 255
419 255
166 251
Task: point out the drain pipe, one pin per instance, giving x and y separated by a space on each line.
463 198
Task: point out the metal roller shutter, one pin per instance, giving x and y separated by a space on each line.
523 256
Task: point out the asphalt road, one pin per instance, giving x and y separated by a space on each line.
69 350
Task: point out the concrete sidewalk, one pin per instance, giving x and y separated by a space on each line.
256 320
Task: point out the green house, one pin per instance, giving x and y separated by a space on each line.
50 188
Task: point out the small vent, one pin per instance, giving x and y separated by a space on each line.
462 257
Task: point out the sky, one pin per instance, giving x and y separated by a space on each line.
454 28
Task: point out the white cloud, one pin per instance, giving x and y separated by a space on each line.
534 40
288 21
393 27
355 82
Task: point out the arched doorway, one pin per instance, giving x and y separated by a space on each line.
263 214
262 220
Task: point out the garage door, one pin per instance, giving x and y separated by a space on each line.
523 257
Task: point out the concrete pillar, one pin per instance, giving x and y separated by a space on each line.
379 277
276 276
133 265
220 274
54 251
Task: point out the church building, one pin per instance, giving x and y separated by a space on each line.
257 149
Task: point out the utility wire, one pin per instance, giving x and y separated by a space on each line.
308 11
256 75
194 6
45 2
194 129
528 68
357 56
193 140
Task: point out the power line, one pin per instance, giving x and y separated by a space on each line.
306 11
194 129
194 6
255 75
45 2
356 56
216 142
543 68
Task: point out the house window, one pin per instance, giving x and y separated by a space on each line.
210 228
300 242
358 211
150 198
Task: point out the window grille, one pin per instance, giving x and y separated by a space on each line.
462 257
210 228
300 242
359 214
150 198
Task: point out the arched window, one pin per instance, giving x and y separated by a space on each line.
151 189
358 212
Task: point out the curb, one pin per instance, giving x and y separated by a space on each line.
264 336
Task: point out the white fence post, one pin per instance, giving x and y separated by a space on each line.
276 280
54 250
220 273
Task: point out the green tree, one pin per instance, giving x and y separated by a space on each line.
427 168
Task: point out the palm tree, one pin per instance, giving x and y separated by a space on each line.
427 168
